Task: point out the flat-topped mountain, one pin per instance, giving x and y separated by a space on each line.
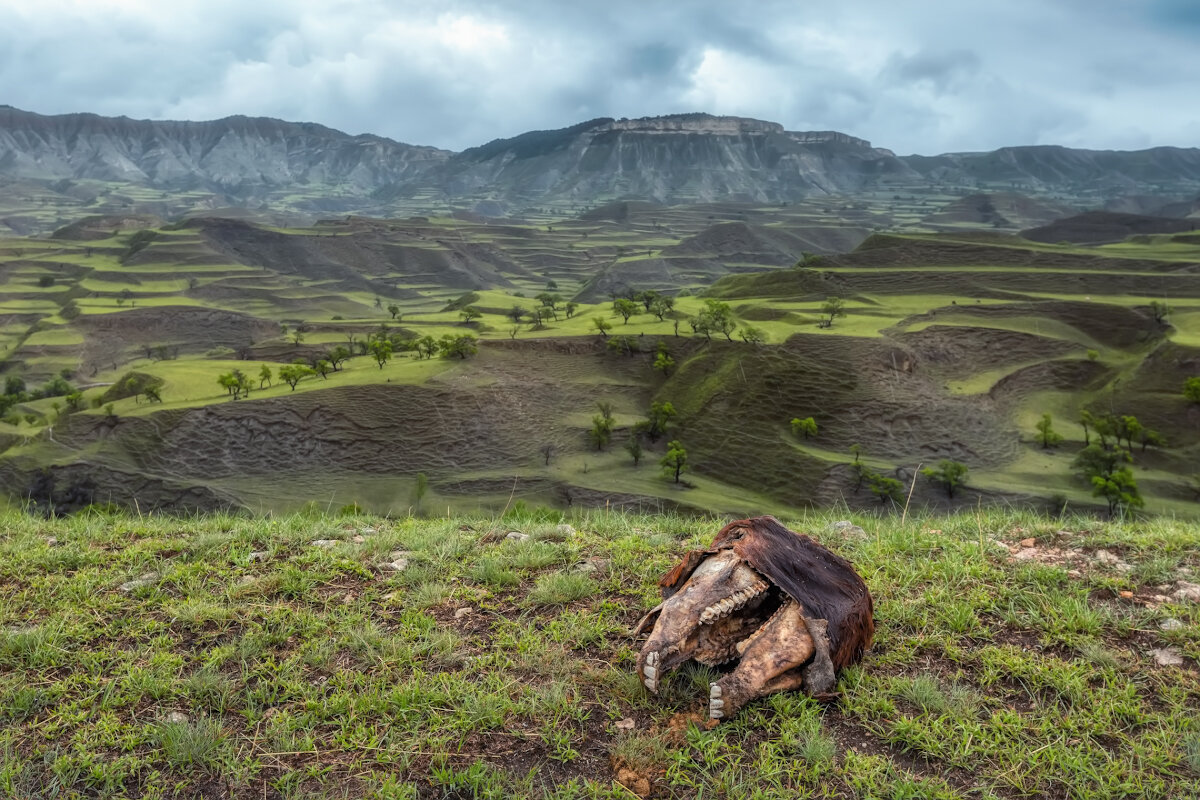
685 157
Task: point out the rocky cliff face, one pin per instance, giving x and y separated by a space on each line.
675 159
687 157
236 155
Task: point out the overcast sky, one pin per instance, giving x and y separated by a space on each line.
915 76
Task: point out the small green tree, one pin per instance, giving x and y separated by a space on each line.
884 487
452 346
323 368
426 346
1160 310
661 306
1046 433
833 307
470 314
516 314
338 355
264 376
949 473
1120 491
634 448
601 432
394 310
1093 355
292 374
602 325
659 418
571 308
151 392
676 460
856 450
624 308
380 350
804 427
752 335
663 362
1191 390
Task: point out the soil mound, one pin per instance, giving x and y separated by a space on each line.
102 227
1096 227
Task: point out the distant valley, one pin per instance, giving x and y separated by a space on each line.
255 314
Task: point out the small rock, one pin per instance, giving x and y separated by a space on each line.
358 539
398 565
396 555
626 724
1074 573
366 531
465 611
1167 657
592 565
1025 555
516 536
146 579
177 716
1105 557
257 555
1126 595
323 542
847 529
52 541
1188 591
1161 598
246 580
1170 624
565 530
1028 542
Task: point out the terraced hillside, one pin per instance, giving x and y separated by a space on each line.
952 346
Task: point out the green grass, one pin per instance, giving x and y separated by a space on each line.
492 668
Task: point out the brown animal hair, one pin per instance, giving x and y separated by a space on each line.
822 582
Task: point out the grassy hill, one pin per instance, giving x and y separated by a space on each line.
953 345
324 656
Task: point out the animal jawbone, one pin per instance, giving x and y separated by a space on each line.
734 602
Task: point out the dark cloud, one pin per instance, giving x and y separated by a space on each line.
929 76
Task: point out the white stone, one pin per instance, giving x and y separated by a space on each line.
1170 624
397 565
1188 591
565 530
177 716
145 579
1167 657
324 542
462 612
257 555
516 536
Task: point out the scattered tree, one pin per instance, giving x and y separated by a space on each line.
833 307
661 306
426 346
659 418
151 393
602 326
885 487
1160 310
452 346
394 310
571 307
675 461
1093 355
292 374
663 361
601 432
752 335
264 376
1191 390
516 314
323 368
625 308
806 427
470 314
950 474
337 356
856 450
380 350
634 448
1046 433
546 450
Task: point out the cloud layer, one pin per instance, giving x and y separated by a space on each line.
923 76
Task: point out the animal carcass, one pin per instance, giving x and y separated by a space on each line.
785 611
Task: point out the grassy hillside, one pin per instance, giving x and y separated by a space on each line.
315 656
952 345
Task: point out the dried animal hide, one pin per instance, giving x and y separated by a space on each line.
787 612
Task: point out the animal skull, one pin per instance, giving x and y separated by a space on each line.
789 612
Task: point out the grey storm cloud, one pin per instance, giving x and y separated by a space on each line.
920 76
